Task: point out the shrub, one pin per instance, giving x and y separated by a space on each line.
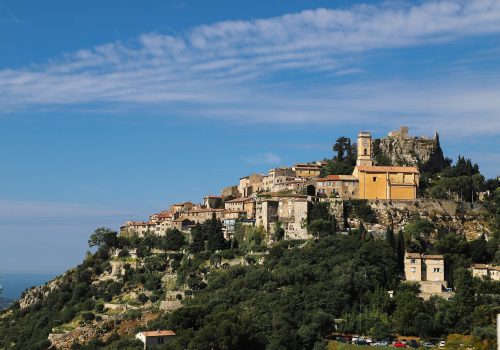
133 314
143 298
88 316
123 253
227 254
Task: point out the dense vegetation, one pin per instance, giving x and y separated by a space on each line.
287 296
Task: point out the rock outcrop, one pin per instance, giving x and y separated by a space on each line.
456 216
37 294
398 148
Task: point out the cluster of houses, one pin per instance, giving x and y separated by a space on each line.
282 195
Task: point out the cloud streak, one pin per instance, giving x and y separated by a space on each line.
240 70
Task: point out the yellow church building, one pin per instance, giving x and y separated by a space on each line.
383 182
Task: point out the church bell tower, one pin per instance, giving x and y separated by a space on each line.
364 149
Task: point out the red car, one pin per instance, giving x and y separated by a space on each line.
399 344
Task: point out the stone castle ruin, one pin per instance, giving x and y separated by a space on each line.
399 148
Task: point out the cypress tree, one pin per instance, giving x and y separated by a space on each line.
400 251
197 239
389 237
215 236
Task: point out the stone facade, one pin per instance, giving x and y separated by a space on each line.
250 184
337 186
428 271
485 271
290 211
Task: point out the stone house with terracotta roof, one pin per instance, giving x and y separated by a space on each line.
428 271
153 339
485 271
337 186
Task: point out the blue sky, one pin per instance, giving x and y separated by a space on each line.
111 110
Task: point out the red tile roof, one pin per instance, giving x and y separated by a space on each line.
158 333
388 169
337 178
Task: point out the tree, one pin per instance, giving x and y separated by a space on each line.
174 239
400 252
389 237
198 238
103 237
340 147
215 235
479 250
279 233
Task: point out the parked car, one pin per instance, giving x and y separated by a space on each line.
442 344
380 343
343 340
413 344
355 338
399 344
361 342
428 344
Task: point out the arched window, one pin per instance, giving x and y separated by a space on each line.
365 152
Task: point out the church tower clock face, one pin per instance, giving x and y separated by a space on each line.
365 142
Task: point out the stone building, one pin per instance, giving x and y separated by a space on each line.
290 211
337 186
275 176
383 182
387 182
153 339
213 202
229 192
484 270
307 170
250 184
428 271
246 204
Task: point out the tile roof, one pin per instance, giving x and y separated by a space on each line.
485 266
158 333
423 256
389 169
337 178
244 199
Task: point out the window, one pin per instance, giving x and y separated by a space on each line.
161 340
374 179
413 269
413 261
436 269
365 152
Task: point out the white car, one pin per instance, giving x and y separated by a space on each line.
442 344
380 343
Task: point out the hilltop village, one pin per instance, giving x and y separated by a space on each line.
282 196
386 239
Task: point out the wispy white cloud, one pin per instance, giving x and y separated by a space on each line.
267 158
231 69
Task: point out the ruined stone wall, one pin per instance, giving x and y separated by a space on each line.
422 152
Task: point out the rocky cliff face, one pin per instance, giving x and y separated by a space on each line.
457 217
398 148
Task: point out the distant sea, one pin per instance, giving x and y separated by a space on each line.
15 283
